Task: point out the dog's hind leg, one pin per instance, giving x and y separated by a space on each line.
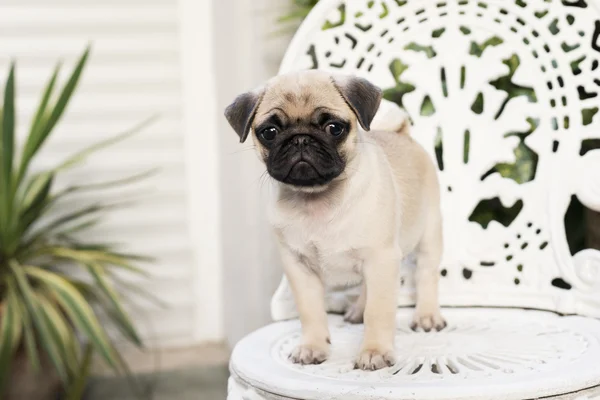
355 312
429 252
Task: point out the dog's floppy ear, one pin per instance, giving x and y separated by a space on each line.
361 95
241 112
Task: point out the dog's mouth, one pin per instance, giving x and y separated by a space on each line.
304 174
306 165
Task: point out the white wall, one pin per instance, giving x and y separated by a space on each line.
137 68
247 53
203 173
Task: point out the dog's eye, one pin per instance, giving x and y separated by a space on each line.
334 129
268 133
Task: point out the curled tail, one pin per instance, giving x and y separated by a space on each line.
390 117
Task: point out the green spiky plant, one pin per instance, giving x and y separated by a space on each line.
44 311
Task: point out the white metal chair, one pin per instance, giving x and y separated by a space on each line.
521 308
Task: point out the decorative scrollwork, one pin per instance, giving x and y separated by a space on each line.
504 96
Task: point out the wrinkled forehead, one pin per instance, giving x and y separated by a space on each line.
297 96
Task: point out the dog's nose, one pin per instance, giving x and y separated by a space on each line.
301 140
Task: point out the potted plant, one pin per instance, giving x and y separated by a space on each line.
49 323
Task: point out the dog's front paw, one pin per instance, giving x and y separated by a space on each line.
373 359
309 354
428 321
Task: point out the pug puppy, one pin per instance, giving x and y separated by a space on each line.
352 203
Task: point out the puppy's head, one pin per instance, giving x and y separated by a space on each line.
305 124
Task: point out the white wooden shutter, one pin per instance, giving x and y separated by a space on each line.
134 72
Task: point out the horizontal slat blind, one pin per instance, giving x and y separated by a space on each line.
133 73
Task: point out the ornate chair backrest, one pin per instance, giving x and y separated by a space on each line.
504 95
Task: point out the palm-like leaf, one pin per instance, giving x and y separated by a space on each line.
60 330
39 321
78 386
7 138
28 332
8 127
36 191
38 120
92 257
41 307
10 332
80 156
45 119
29 219
77 308
121 316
